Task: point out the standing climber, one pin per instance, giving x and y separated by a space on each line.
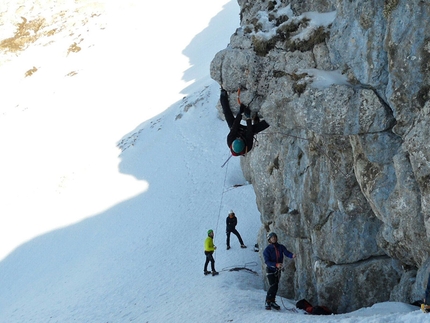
240 138
274 257
209 250
425 307
231 223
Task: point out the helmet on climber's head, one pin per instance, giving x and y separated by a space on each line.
238 145
270 235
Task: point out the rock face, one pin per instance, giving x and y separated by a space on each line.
343 173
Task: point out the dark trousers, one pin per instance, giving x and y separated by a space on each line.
229 117
237 235
273 279
427 296
209 258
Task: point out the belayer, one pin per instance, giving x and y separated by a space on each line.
425 306
274 258
240 138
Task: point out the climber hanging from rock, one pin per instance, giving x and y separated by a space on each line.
240 138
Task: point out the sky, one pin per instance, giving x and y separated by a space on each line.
111 173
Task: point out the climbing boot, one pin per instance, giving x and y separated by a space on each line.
275 306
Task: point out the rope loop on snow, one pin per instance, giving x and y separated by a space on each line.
244 268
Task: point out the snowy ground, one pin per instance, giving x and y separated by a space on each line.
90 237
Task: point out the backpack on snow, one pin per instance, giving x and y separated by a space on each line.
315 310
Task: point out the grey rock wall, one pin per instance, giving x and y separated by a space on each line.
343 173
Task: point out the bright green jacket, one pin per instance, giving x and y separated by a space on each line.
209 244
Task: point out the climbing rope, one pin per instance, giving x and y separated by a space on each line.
292 309
221 200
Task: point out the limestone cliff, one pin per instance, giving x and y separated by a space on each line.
343 173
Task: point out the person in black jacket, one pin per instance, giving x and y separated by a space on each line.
240 138
231 223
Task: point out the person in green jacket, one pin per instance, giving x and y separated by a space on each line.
209 250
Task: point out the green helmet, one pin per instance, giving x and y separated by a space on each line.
210 231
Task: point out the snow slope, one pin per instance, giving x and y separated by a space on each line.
90 237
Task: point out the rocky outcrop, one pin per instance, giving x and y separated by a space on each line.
343 173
